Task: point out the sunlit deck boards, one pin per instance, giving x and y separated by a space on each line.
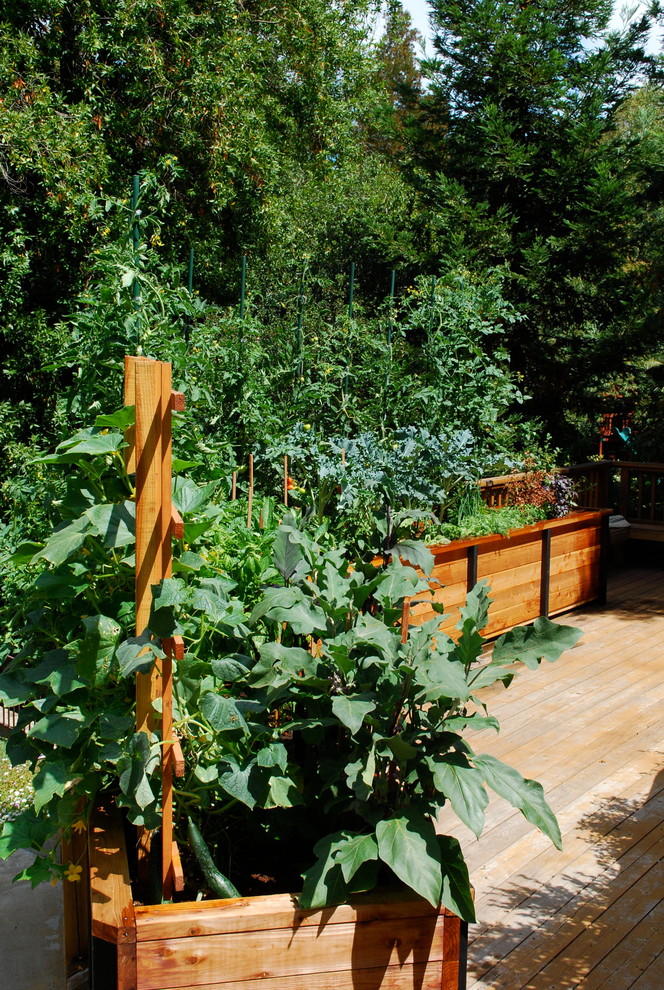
591 729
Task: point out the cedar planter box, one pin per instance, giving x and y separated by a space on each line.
379 941
544 569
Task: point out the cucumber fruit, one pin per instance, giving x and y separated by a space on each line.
216 881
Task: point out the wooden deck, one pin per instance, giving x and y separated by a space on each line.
591 729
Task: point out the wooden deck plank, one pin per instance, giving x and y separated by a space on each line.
591 729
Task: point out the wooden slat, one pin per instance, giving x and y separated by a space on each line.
177 524
178 758
177 401
280 953
149 517
407 977
591 728
176 862
112 906
273 911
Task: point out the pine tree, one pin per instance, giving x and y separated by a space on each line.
531 173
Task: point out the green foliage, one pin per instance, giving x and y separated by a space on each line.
305 720
529 171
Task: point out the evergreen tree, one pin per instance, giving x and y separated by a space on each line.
530 172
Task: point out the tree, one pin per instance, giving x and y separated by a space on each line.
530 172
239 107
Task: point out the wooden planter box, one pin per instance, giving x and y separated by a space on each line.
544 569
380 941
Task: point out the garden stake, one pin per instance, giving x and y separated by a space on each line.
286 480
148 386
190 273
251 490
234 486
135 289
243 285
350 317
432 299
390 327
300 307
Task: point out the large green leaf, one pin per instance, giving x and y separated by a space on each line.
137 655
120 419
370 631
59 728
416 553
188 497
26 831
324 881
407 843
286 554
398 582
65 541
222 713
456 894
351 709
354 852
463 786
240 782
96 652
361 775
292 606
543 640
114 523
134 769
440 677
526 795
477 606
51 778
13 691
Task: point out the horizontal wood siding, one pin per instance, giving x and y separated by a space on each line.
279 954
512 565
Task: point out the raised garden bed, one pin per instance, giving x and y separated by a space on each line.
544 569
379 941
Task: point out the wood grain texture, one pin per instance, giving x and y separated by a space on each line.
408 977
253 914
285 952
111 900
591 728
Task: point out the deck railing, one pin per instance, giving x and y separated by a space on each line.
633 489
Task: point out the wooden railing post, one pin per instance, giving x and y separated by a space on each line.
623 498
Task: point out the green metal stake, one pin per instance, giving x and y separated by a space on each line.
136 238
300 308
190 273
243 285
390 327
136 188
350 317
432 299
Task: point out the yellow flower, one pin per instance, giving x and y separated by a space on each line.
79 826
73 872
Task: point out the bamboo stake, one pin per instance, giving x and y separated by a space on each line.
234 486
405 619
250 500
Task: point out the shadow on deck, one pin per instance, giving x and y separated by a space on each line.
591 729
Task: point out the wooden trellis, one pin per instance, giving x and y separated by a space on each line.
148 387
